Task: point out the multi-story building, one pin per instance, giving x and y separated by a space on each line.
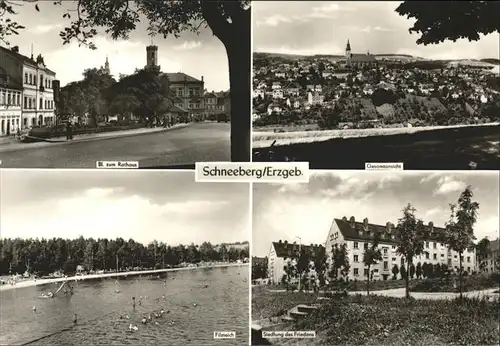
188 91
359 235
280 254
37 104
216 102
490 263
10 104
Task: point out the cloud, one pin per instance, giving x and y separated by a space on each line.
435 211
188 45
274 20
103 212
44 29
447 184
123 57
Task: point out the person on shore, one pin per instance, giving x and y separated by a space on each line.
133 303
70 289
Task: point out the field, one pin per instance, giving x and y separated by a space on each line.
418 148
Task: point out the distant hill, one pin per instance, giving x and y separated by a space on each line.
491 61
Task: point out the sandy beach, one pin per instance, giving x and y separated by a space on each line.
33 282
263 139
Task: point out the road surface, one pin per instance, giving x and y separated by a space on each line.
194 143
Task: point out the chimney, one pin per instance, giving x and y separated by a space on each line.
431 226
352 220
365 223
388 226
202 78
15 49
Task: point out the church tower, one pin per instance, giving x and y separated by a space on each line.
152 58
348 52
106 66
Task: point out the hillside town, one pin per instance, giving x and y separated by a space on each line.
31 96
371 91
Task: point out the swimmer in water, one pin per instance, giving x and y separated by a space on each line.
133 302
34 308
74 319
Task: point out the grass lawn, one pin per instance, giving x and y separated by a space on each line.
374 320
267 304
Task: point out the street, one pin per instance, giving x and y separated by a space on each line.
194 143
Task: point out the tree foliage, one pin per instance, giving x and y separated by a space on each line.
339 264
411 240
371 256
459 232
259 268
437 21
46 256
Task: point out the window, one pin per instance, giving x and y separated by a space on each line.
365 245
26 78
393 259
365 272
435 256
25 102
356 271
449 262
356 258
386 265
427 244
8 99
427 256
468 259
355 244
18 103
394 247
41 103
29 103
385 251
434 245
25 121
442 255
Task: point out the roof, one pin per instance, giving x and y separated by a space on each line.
25 59
178 77
364 231
288 249
363 58
494 245
7 82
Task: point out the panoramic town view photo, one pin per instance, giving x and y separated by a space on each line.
115 258
340 84
374 258
79 85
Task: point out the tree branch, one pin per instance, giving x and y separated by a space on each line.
220 27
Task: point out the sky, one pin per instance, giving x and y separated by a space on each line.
166 206
189 53
284 212
323 27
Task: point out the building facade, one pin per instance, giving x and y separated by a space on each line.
188 91
280 254
359 235
491 264
37 103
10 105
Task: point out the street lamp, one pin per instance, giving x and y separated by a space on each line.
300 249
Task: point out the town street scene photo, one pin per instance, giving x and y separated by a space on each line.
341 84
77 86
117 258
374 258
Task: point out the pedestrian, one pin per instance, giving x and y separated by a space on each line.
69 134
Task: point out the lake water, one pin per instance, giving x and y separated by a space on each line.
195 313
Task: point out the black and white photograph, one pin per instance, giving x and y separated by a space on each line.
151 82
377 258
123 258
342 84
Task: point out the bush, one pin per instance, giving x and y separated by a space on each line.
375 320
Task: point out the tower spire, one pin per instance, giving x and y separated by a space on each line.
106 65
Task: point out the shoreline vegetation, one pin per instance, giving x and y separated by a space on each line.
38 282
264 139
